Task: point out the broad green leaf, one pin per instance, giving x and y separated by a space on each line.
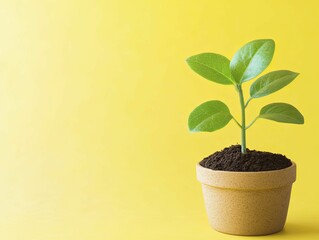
281 112
209 116
211 66
271 82
251 59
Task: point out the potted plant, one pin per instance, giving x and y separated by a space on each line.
246 192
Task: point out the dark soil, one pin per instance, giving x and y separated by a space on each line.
231 159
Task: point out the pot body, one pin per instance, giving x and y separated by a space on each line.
247 203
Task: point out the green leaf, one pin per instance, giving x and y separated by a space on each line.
209 116
251 59
271 82
281 112
211 66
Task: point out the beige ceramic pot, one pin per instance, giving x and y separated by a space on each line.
247 203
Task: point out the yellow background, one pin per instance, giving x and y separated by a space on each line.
94 101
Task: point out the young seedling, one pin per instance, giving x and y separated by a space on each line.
248 62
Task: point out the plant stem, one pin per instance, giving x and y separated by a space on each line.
248 102
243 120
237 122
252 123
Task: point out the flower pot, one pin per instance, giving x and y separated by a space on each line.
247 203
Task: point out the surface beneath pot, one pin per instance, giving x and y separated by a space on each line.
231 159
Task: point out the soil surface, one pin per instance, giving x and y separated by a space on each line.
231 159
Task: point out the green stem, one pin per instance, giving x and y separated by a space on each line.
237 122
248 102
252 123
243 119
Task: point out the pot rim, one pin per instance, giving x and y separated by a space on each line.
247 180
